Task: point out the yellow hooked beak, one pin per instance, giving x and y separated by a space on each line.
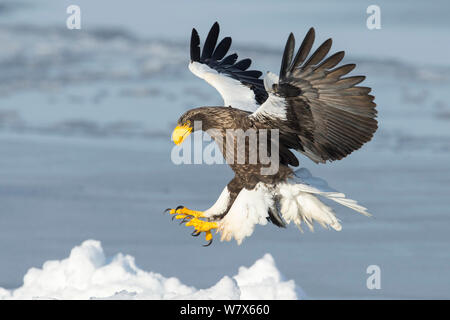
180 133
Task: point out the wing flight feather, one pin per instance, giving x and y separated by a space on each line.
312 102
240 87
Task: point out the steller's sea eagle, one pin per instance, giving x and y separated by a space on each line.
312 108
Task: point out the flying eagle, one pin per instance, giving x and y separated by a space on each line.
312 109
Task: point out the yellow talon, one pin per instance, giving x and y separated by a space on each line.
192 219
201 226
187 212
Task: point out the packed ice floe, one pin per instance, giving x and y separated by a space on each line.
88 274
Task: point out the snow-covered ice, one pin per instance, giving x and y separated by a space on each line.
88 274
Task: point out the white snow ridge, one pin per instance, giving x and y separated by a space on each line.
88 274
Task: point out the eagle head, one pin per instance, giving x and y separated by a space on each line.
185 124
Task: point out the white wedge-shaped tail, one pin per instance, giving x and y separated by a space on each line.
299 201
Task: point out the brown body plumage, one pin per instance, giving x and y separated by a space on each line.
226 120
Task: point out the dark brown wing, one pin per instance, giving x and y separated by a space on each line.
329 114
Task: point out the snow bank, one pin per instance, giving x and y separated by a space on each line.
88 274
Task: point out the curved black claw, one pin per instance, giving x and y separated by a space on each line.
184 220
209 243
167 210
179 207
195 233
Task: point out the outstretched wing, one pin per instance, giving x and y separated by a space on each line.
240 88
326 116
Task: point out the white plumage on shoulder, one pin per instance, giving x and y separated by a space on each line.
233 92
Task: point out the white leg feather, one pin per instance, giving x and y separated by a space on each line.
250 208
220 206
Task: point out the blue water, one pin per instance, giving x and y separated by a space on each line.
86 117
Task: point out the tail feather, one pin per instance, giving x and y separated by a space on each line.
307 183
303 207
300 204
352 204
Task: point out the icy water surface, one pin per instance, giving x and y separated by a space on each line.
85 124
